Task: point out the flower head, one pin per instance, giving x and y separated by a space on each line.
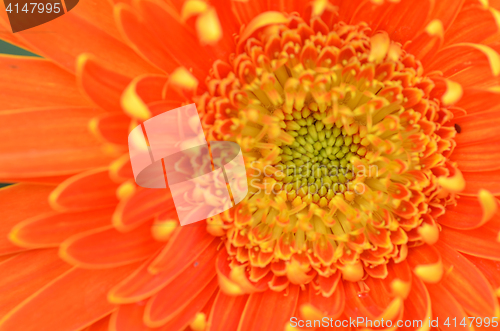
368 131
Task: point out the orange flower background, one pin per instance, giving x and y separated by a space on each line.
410 88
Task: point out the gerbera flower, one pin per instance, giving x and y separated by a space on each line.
369 131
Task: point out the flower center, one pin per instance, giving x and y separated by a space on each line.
317 166
344 140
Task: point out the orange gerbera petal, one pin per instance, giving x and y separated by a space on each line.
262 304
445 306
140 38
452 61
482 242
426 263
141 92
476 128
372 301
425 45
479 76
58 304
221 318
486 180
141 206
205 298
103 85
227 19
302 301
35 82
407 20
100 325
128 318
13 206
477 100
346 8
478 157
185 244
171 300
494 4
198 321
490 270
236 281
41 150
473 24
245 11
49 230
328 285
466 283
142 284
68 31
317 306
398 279
121 169
371 13
98 13
417 306
446 11
26 273
88 190
469 213
107 248
112 128
181 43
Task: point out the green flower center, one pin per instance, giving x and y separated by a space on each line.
316 166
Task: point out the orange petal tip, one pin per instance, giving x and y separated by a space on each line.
192 8
183 79
310 312
352 272
453 93
133 104
15 238
494 89
259 22
379 47
208 27
229 287
393 310
496 16
429 233
297 273
215 226
401 288
435 28
199 323
162 231
430 273
125 190
489 205
455 183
